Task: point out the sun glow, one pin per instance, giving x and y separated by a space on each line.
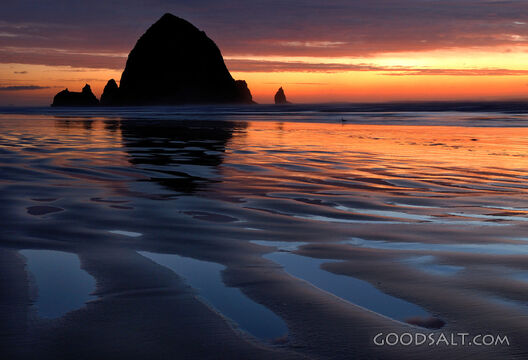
453 74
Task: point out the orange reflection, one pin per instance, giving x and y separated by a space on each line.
452 156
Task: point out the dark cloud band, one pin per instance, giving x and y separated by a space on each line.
22 88
297 27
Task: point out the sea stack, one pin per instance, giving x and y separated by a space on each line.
72 98
110 93
172 63
175 63
280 97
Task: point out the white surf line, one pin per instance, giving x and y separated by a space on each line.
435 221
504 208
427 263
351 221
386 213
414 206
493 248
126 233
492 217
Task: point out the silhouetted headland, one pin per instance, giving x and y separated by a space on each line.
173 63
72 98
280 97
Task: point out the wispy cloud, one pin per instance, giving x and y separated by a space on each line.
6 34
299 83
459 72
244 65
293 28
23 87
62 57
312 44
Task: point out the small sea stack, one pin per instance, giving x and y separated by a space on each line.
72 98
110 94
280 97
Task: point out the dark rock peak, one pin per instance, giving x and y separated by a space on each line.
110 94
171 20
280 97
87 89
175 63
243 92
111 85
72 98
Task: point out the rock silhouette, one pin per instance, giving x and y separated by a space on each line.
243 93
174 63
280 97
72 98
110 93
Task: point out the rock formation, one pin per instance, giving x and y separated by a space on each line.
174 63
243 94
280 97
72 98
110 93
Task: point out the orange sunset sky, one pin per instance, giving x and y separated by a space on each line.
318 51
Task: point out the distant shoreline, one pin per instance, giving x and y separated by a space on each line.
505 106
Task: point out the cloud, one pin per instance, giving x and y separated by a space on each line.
461 72
299 83
244 65
62 57
312 44
20 72
23 87
6 34
99 33
297 27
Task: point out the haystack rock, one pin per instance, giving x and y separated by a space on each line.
175 63
72 98
172 63
280 97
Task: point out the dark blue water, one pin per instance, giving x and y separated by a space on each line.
206 278
356 291
62 286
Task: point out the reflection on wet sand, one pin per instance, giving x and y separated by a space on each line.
356 291
435 210
61 285
171 153
205 277
180 157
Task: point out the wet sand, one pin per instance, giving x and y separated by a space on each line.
433 216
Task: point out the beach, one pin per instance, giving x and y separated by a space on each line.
257 233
